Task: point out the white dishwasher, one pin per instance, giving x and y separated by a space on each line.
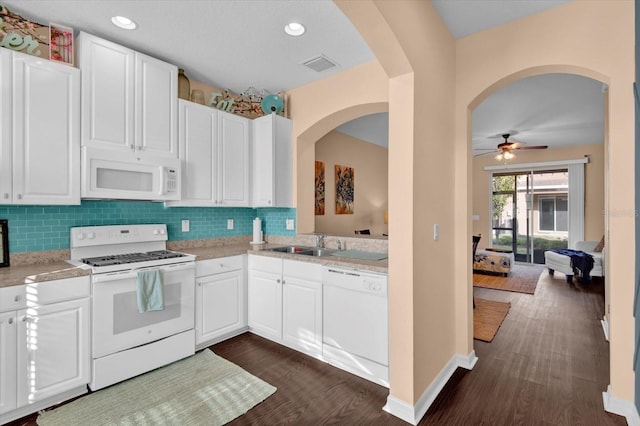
356 322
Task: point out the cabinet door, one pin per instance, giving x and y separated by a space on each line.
262 155
302 315
198 132
46 132
5 126
272 182
156 107
107 93
265 304
53 349
233 159
7 361
219 305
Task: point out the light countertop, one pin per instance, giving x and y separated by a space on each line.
56 270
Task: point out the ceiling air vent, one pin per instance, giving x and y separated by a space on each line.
319 63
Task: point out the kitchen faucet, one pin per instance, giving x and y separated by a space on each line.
320 240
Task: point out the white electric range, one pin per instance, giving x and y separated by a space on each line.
125 341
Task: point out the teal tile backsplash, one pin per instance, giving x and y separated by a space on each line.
36 228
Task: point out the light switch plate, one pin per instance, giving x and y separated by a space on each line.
185 226
229 223
290 225
436 232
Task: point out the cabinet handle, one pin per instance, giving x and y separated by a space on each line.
278 281
199 284
19 196
6 195
132 146
16 298
283 282
24 318
222 265
269 202
10 320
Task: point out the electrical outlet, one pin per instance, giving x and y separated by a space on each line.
290 225
185 226
229 223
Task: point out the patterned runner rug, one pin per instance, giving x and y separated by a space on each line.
203 389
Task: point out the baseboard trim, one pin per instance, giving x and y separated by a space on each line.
620 407
605 327
413 414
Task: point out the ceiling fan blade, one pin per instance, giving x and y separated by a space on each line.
486 153
532 147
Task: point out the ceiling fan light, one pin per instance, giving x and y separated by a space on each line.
499 157
508 155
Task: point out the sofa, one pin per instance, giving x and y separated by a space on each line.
561 263
493 261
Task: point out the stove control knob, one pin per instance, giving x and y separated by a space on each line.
80 236
162 232
156 232
91 235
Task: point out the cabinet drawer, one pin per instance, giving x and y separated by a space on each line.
43 293
304 270
272 265
13 298
218 266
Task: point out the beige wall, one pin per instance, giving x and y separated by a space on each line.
431 83
590 38
369 162
593 176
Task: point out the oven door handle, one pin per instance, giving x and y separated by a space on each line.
123 275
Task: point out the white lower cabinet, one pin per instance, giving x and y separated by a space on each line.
45 342
285 302
265 297
220 299
302 306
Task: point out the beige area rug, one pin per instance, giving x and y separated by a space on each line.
487 318
521 279
203 389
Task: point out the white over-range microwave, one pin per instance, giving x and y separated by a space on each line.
121 175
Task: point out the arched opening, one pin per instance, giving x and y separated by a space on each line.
540 157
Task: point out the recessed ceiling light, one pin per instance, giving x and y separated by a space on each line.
123 22
294 29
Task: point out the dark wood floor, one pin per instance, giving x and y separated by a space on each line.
548 365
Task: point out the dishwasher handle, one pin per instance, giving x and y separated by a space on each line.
343 272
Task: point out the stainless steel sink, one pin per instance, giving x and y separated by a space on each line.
292 249
305 251
318 252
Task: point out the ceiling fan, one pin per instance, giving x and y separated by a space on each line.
506 148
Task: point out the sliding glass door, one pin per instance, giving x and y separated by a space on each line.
530 213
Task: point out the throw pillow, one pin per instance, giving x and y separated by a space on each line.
600 245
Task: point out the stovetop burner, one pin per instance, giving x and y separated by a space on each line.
130 258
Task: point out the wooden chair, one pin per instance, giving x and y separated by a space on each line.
475 240
363 232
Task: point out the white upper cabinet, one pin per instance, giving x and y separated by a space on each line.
156 86
272 162
233 159
40 148
129 100
214 148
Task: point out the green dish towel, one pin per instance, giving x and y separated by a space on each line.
150 291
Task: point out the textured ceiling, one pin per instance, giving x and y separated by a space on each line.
241 43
